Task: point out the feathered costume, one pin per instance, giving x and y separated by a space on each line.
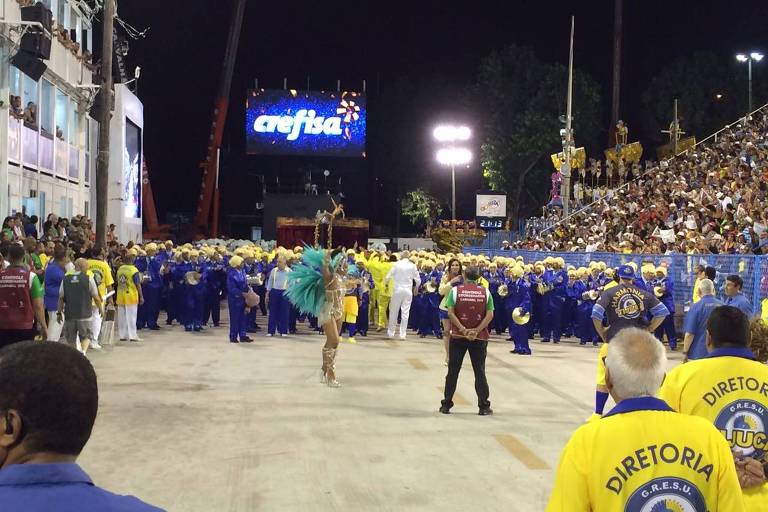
306 289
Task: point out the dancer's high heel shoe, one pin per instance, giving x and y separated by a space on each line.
329 362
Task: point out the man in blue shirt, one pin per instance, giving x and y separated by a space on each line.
695 341
48 403
734 297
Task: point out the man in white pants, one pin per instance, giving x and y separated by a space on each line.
405 277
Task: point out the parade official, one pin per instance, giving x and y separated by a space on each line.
277 304
102 276
643 455
727 388
470 309
734 295
21 300
129 296
695 340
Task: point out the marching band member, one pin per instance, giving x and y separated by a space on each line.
586 291
430 323
151 286
215 280
366 286
667 289
351 303
495 280
538 309
519 296
182 291
236 289
555 300
569 311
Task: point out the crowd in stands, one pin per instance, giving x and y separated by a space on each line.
709 200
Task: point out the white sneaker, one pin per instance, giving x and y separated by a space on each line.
283 335
269 335
402 337
96 346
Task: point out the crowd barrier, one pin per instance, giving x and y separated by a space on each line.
753 270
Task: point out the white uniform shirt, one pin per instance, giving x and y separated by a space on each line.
404 274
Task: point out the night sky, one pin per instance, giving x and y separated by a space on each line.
434 45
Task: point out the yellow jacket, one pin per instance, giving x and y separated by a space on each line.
729 389
641 454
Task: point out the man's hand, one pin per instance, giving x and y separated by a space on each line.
59 317
470 334
43 332
685 358
141 299
750 472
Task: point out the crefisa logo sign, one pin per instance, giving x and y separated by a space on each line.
290 122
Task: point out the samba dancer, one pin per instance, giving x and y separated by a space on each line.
316 286
451 278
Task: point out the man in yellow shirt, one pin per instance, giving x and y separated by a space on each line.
385 292
730 389
129 296
642 456
102 275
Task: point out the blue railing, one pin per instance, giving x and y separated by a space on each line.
753 270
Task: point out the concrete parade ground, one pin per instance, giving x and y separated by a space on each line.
190 422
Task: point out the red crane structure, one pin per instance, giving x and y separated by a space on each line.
208 201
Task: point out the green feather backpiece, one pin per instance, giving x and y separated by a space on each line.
306 289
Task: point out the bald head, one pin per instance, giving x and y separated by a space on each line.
636 364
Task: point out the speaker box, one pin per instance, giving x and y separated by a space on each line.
36 44
30 65
39 13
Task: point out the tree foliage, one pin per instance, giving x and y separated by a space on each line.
520 100
421 208
695 81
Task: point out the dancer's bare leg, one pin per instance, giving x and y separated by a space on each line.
331 329
446 337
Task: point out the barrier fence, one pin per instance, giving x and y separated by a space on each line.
753 270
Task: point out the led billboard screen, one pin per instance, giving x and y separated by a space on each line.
313 123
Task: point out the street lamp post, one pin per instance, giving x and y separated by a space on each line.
753 56
452 155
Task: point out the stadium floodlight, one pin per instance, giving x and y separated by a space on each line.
450 133
454 156
753 56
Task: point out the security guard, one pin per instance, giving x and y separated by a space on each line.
728 388
643 456
622 306
470 310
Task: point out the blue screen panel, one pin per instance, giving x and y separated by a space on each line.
314 123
